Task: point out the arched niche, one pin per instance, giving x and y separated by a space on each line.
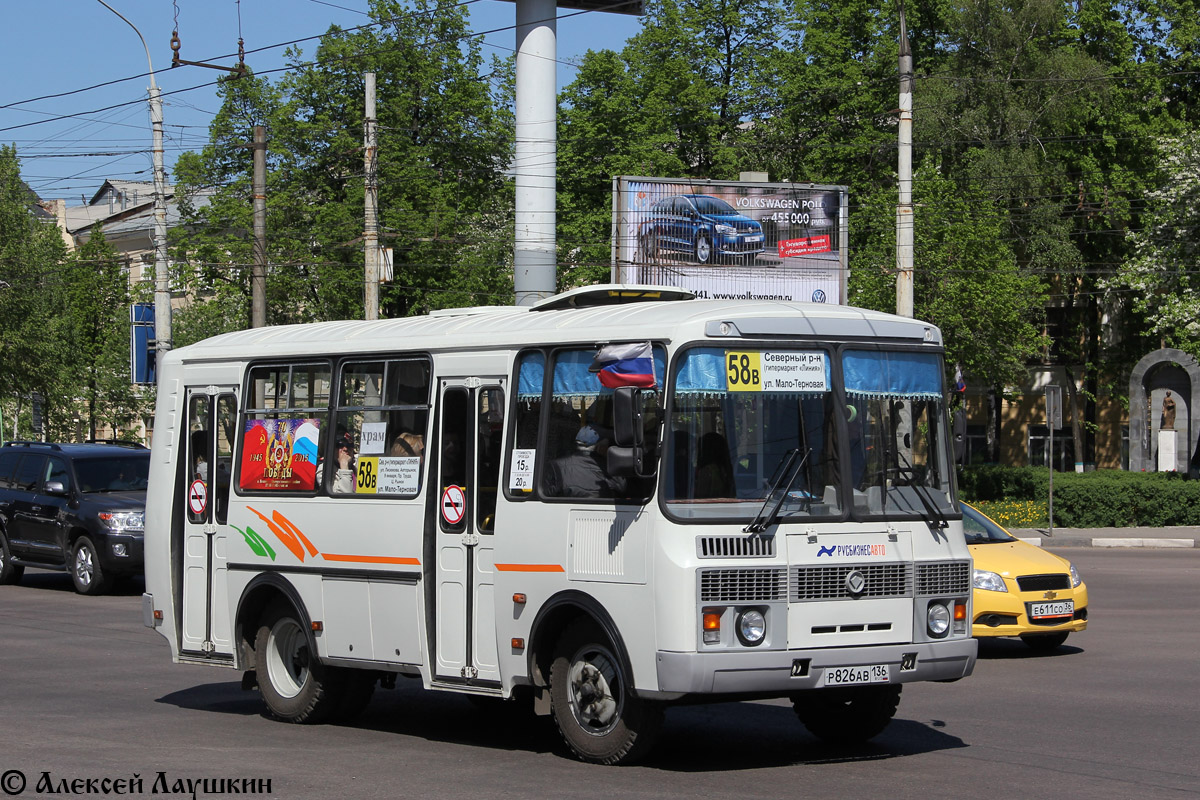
1166 370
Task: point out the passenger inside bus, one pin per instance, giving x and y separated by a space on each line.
407 444
584 473
343 478
714 469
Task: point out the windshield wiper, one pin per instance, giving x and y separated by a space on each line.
766 518
934 516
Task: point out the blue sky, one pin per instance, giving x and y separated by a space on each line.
59 46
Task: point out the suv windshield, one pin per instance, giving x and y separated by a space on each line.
113 473
737 416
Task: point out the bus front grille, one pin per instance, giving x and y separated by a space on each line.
829 583
799 584
943 578
735 546
743 585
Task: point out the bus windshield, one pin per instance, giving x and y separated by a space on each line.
747 426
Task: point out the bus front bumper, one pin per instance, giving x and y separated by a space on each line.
786 671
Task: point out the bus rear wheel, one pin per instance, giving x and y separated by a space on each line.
295 685
847 715
593 704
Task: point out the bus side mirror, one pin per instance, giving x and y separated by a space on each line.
628 457
627 417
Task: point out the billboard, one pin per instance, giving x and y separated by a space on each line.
732 239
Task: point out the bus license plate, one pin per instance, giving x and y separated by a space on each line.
1060 608
849 676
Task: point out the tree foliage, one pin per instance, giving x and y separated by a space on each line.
444 203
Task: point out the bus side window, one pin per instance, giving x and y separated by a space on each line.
489 458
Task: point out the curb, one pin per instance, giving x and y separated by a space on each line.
1078 539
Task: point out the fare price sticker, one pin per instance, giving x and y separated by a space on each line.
784 371
520 475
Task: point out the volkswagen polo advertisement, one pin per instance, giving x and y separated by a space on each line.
732 239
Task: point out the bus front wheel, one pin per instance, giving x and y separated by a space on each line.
295 685
847 715
594 706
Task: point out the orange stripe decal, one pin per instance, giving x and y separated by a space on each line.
371 559
529 568
287 525
289 541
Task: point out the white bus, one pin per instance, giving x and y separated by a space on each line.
615 499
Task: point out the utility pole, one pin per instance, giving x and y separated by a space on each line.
162 284
258 272
904 208
371 205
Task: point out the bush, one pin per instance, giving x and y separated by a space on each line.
1015 513
1101 499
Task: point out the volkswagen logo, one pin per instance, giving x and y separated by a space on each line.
818 296
856 583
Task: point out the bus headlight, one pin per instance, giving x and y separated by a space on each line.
938 620
751 627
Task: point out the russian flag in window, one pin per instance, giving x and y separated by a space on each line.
630 364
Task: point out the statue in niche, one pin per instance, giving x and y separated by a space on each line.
1168 413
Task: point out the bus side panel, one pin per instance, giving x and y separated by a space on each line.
362 582
160 502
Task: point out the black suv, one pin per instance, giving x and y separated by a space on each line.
73 507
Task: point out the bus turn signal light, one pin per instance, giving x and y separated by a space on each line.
960 611
519 598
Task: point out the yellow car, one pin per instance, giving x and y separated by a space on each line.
1021 590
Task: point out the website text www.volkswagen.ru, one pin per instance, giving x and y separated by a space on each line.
704 294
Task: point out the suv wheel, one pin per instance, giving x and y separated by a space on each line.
9 572
86 571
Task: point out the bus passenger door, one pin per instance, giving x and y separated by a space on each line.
207 448
471 419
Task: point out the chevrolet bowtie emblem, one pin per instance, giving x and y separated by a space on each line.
1050 595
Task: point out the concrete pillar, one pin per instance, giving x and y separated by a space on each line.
536 148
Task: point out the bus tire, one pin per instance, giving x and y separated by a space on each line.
592 702
86 572
9 572
847 715
294 684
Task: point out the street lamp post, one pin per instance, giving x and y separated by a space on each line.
162 290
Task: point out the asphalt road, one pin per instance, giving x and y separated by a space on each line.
87 693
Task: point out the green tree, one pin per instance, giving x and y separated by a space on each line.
444 203
1162 274
33 346
97 316
967 279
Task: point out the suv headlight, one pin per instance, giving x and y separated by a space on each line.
1075 579
123 520
988 581
725 229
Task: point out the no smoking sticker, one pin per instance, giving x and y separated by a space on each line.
454 504
198 497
